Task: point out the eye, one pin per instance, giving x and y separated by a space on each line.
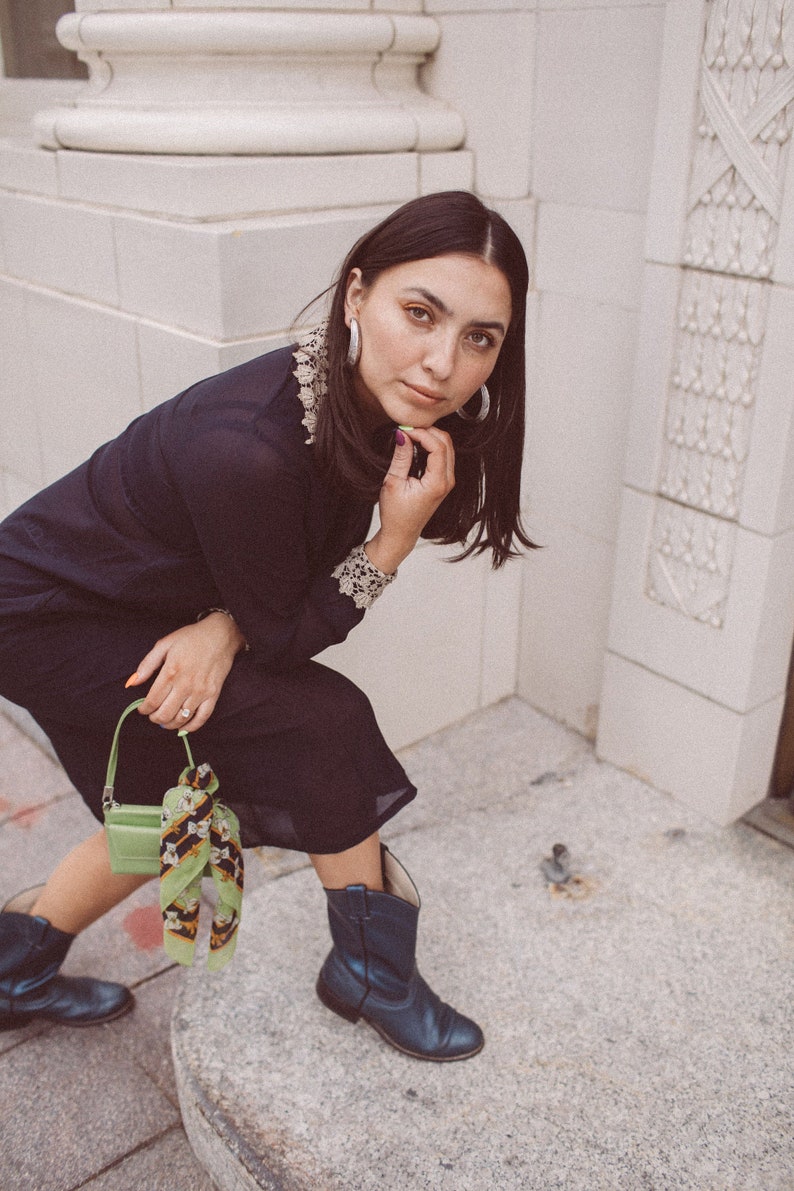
482 339
419 313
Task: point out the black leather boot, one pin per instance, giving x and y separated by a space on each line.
371 971
31 952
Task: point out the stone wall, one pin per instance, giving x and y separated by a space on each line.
650 182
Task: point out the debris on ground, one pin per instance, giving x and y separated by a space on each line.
562 881
555 867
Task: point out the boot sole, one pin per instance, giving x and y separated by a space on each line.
333 1003
17 1021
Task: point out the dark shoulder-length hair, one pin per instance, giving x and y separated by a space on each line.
482 511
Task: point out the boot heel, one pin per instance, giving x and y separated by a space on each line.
349 1012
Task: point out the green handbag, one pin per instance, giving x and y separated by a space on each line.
190 836
132 831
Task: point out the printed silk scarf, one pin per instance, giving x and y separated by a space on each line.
199 832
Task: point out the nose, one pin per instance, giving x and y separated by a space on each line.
439 357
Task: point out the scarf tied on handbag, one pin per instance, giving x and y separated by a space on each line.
199 833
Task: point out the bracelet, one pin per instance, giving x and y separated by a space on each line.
246 647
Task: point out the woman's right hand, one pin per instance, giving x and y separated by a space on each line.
406 503
192 665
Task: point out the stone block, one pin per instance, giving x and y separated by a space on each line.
677 920
343 5
232 280
739 663
144 1036
270 270
446 171
679 83
590 253
651 376
767 499
38 836
26 168
500 633
397 6
15 492
84 374
59 245
567 589
225 187
480 6
483 66
578 412
171 360
595 107
783 268
706 755
20 441
165 1164
30 782
54 1142
119 5
169 272
417 654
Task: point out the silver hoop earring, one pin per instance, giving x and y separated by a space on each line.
485 405
354 350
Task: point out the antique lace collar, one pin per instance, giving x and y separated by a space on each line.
311 373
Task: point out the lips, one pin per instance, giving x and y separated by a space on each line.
426 394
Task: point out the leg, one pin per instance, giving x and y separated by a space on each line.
82 888
360 865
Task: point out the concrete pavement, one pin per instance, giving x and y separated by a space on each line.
638 1021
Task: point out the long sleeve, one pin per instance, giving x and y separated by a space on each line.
270 528
211 499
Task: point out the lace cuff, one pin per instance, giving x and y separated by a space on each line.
360 579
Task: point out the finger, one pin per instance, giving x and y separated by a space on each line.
147 666
200 715
165 708
402 457
440 463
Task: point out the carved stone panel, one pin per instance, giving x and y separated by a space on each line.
746 113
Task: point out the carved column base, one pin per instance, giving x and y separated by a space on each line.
251 83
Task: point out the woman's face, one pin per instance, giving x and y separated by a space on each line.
431 331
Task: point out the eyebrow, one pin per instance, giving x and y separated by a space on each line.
442 306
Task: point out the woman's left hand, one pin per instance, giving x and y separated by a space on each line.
193 662
406 504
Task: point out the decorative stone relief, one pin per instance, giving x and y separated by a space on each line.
712 391
744 129
735 200
690 562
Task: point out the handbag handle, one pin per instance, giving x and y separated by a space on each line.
107 794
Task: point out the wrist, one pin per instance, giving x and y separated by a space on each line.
387 554
224 616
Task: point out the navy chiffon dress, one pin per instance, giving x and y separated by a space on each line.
212 499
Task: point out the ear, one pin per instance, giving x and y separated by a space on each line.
354 294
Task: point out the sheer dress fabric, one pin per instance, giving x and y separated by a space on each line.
212 499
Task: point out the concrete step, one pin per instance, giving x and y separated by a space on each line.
636 1020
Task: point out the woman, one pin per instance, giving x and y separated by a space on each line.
218 544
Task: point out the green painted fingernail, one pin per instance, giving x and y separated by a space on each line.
404 427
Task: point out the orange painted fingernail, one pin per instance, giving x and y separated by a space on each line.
133 678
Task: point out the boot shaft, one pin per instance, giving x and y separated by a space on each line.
375 932
31 952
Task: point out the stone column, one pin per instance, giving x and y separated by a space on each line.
703 607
